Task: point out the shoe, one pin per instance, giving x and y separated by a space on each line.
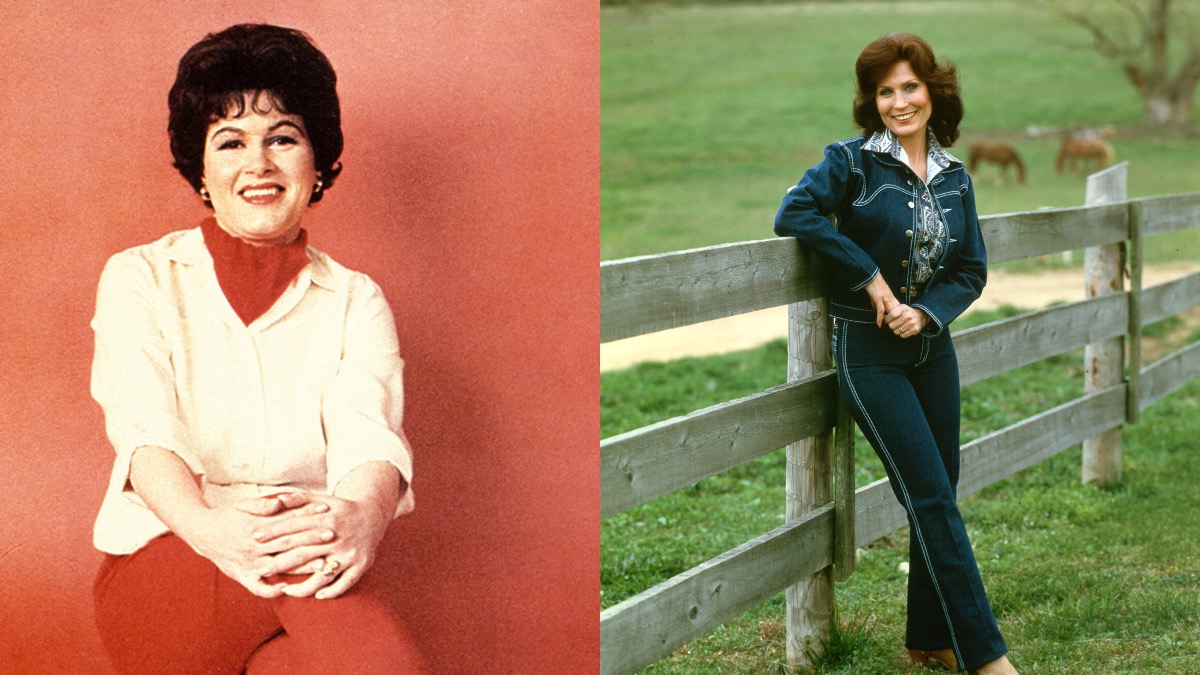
934 658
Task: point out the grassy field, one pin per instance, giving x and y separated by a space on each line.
708 114
1081 579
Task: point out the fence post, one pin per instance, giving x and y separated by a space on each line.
1133 400
1103 362
809 483
845 512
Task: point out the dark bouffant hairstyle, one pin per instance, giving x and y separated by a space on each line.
941 79
215 74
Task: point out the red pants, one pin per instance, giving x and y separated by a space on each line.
166 609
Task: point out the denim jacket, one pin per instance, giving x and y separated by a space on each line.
856 210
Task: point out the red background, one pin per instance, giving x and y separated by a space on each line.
470 193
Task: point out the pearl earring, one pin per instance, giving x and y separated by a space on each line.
204 194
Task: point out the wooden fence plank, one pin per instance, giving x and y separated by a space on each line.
1003 453
1013 236
644 464
878 514
1169 373
647 463
652 293
654 623
994 348
1170 298
997 455
1168 213
641 465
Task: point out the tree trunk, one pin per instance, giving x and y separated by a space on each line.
1163 109
1167 99
1157 110
1181 113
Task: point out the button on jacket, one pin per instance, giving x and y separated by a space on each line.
296 400
854 209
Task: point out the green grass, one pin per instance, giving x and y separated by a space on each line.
1082 579
708 114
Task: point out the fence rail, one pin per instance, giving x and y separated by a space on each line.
647 294
652 293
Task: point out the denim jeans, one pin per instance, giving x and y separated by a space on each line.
904 395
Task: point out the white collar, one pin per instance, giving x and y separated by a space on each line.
887 143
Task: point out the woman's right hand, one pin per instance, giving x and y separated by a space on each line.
225 534
882 298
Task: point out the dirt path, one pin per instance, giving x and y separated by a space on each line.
750 330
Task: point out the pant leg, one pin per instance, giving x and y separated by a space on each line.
357 632
936 385
166 609
888 393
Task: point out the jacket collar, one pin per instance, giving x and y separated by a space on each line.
188 248
886 143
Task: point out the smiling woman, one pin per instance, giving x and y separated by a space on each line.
902 101
894 215
483 117
252 392
259 172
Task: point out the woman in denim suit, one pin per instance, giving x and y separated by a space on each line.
894 215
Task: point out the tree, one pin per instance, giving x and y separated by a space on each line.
1142 47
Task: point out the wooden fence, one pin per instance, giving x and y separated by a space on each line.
829 518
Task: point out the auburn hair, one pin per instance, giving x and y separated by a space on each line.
940 78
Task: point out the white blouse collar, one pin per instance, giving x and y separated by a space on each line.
887 143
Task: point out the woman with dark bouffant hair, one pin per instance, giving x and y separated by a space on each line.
893 213
252 391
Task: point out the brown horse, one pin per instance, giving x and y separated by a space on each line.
1093 149
996 153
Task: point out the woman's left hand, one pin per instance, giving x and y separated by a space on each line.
905 321
357 529
360 510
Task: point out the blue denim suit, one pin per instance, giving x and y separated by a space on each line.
856 209
904 393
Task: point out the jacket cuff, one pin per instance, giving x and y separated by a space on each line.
869 280
934 327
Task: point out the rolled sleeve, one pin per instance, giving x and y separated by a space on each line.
132 374
133 382
363 409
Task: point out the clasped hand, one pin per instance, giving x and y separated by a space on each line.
902 320
296 544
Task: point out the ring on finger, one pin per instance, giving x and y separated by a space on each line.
331 568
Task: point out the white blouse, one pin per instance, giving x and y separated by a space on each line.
296 400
